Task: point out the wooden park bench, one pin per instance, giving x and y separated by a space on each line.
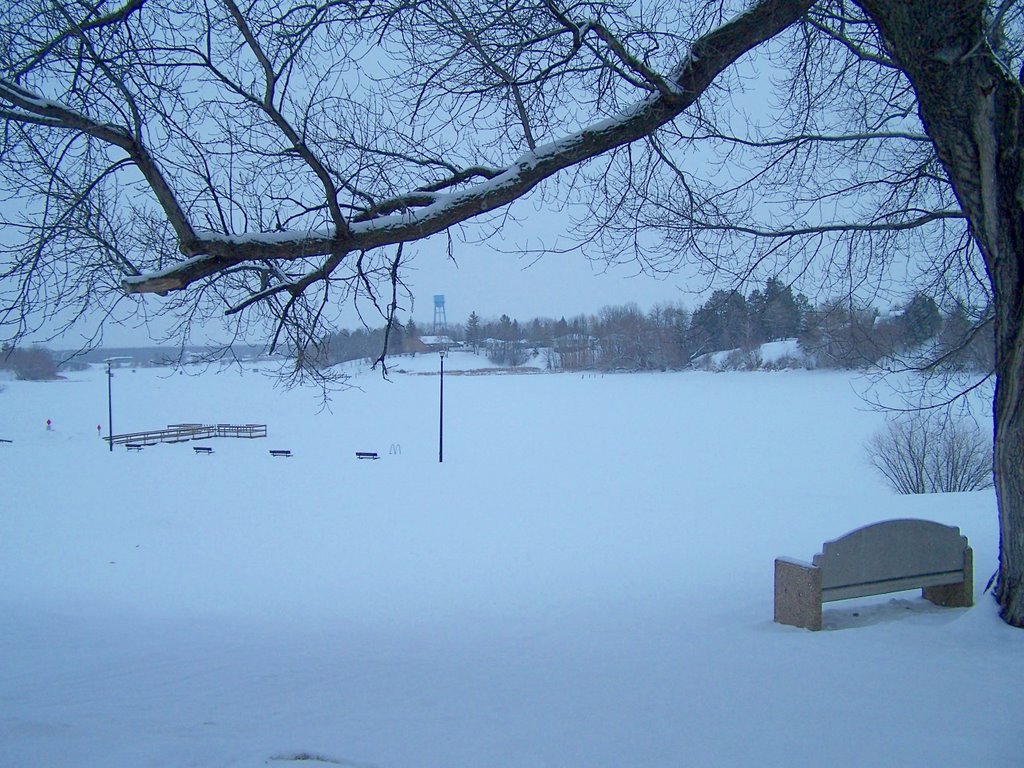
367 455
133 446
280 453
202 450
890 556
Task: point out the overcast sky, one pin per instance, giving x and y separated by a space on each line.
491 278
492 284
499 277
504 275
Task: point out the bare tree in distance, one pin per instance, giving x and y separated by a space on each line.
269 161
932 453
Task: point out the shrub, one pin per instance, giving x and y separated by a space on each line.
929 454
34 364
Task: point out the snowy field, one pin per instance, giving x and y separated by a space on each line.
585 582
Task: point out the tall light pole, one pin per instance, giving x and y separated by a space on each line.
110 400
440 432
110 407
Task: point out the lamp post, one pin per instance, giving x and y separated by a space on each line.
110 400
440 432
110 407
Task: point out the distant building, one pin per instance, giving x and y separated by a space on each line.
437 343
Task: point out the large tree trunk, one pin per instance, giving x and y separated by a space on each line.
1009 456
971 108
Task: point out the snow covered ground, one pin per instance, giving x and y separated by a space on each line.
585 581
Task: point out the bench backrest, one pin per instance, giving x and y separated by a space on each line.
891 556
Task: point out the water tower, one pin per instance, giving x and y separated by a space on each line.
440 321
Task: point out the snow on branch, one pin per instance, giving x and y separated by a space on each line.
420 214
38 110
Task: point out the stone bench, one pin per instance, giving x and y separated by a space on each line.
890 556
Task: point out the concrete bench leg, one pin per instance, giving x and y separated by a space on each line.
955 595
797 594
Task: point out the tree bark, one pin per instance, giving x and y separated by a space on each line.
971 107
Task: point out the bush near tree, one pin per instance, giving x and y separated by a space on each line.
932 453
34 364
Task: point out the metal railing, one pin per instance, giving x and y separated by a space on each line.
180 433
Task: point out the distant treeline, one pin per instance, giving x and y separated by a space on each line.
834 334
37 363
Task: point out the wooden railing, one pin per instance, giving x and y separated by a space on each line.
241 430
180 433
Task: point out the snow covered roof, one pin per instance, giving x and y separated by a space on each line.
437 341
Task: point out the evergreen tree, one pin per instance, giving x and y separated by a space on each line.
561 328
396 339
722 323
778 313
412 335
473 331
921 320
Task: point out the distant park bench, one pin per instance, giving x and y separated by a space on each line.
2 440
367 455
890 556
133 446
203 450
281 453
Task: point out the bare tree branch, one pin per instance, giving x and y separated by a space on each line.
710 55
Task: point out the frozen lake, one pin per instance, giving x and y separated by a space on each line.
585 581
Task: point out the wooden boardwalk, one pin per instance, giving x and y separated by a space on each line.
181 433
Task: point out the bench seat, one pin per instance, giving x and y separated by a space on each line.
890 556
